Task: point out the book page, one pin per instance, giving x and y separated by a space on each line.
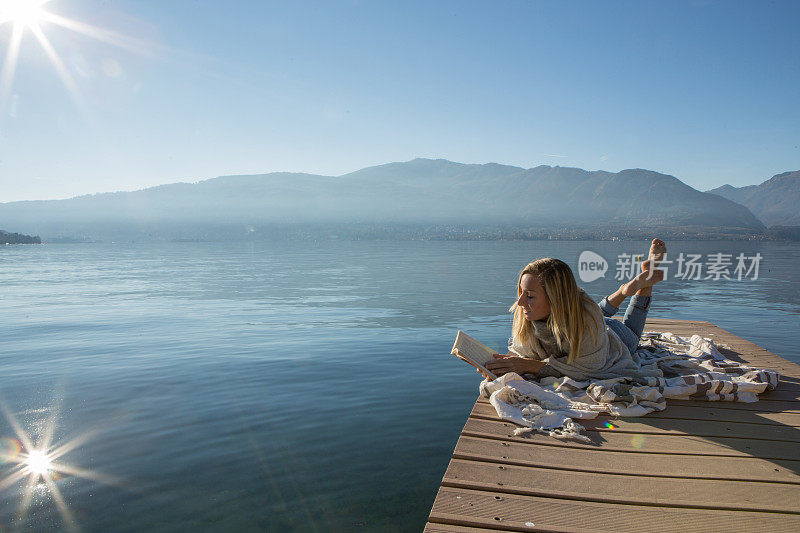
473 352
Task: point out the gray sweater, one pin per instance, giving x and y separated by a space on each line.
604 357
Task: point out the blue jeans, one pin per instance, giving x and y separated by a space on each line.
632 325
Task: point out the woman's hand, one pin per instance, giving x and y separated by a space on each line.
504 363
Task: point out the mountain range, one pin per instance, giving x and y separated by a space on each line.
776 202
418 192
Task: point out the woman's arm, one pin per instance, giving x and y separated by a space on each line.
504 363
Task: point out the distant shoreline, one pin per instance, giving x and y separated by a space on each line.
18 238
440 233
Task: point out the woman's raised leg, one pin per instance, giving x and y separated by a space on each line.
639 288
636 314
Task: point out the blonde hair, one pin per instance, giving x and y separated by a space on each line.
568 306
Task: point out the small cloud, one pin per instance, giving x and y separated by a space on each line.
556 155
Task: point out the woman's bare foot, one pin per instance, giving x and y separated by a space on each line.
657 251
642 281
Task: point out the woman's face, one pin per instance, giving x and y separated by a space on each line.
533 300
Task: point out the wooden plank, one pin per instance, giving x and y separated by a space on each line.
752 352
621 488
765 406
647 425
677 321
729 343
756 357
638 443
513 512
747 350
698 428
485 410
783 394
785 385
430 527
603 460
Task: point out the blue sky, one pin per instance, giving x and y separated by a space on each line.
706 91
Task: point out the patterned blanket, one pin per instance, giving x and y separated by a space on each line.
692 368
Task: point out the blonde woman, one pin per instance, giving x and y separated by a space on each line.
559 331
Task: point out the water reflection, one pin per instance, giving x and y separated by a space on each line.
37 466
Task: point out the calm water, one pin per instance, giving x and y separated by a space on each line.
300 386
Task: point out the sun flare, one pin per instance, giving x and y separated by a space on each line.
39 465
38 462
25 13
30 17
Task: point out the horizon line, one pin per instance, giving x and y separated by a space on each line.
179 182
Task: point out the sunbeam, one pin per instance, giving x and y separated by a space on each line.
27 444
63 449
66 514
107 36
10 63
22 12
30 15
50 426
27 497
15 475
63 73
37 465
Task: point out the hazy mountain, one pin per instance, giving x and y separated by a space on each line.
419 191
18 238
775 202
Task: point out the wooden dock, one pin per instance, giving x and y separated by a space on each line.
696 466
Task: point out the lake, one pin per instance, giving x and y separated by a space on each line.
285 386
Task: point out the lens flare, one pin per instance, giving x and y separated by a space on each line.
9 449
31 16
637 441
38 463
609 425
22 12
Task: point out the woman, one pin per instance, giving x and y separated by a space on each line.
559 331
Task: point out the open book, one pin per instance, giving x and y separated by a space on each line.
473 352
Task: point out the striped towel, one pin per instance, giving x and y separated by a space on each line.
692 368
